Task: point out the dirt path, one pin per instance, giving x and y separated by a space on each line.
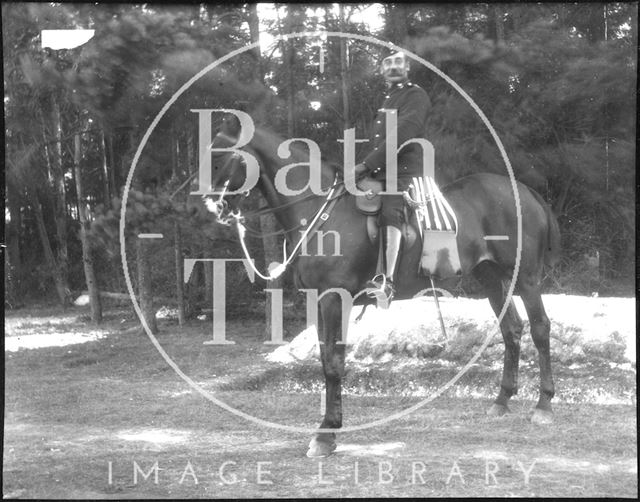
72 411
416 456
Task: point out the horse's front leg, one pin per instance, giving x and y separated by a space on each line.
332 352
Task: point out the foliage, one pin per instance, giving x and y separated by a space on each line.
556 81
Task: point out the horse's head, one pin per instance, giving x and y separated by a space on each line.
232 175
227 168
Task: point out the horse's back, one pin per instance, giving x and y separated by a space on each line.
486 208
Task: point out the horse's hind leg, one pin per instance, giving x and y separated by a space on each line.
511 327
540 328
332 354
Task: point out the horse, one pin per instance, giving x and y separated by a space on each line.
484 205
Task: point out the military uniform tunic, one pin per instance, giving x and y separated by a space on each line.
412 104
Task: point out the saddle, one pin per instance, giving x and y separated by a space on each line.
429 214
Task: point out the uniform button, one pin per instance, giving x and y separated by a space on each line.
377 135
378 122
387 96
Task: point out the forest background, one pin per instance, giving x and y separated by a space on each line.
557 82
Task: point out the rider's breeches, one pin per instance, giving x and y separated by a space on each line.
393 205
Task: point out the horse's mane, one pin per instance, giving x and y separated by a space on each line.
266 143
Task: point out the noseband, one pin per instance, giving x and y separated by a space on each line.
220 208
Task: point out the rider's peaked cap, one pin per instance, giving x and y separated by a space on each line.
385 52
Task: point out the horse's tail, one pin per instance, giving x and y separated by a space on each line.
553 249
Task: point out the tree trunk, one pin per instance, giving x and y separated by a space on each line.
271 254
192 290
177 246
13 259
145 290
208 287
498 19
113 176
396 23
47 153
13 271
60 203
174 154
290 59
515 12
107 189
77 201
179 158
344 72
61 287
597 22
178 174
254 33
87 260
129 152
191 165
267 222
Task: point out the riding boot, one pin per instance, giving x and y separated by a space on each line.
383 284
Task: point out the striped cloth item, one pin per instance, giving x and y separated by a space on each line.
432 209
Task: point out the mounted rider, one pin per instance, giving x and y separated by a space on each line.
412 105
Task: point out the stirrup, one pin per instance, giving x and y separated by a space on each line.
378 283
382 289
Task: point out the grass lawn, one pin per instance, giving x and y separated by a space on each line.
92 419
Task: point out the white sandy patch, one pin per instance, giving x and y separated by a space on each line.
570 464
491 455
380 449
155 436
37 341
412 326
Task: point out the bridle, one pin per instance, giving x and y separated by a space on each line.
264 210
226 216
220 207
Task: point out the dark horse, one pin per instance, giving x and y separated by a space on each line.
484 205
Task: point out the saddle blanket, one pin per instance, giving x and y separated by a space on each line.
432 209
438 228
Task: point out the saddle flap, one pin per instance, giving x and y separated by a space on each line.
440 256
438 226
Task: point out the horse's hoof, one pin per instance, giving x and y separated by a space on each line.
542 417
498 410
320 448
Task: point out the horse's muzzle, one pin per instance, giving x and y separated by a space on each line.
217 207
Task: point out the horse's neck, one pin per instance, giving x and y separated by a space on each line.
298 177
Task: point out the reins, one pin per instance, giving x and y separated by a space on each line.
320 217
264 210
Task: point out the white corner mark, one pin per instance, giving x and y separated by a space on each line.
65 39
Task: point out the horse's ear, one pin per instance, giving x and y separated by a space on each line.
231 125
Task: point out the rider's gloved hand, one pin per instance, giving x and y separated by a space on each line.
352 176
361 170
